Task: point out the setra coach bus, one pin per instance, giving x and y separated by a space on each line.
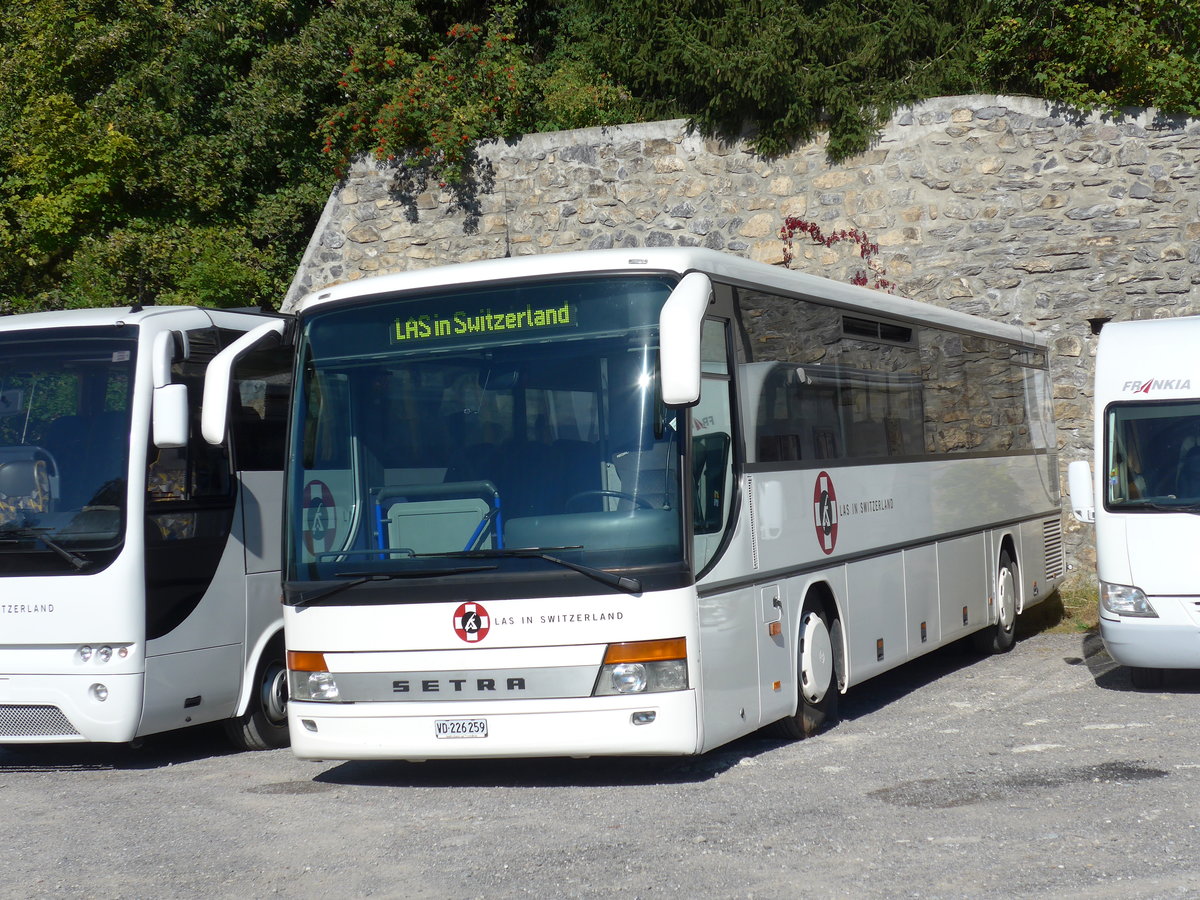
139 565
642 502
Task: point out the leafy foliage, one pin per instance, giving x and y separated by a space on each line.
427 112
783 69
165 151
181 150
1097 54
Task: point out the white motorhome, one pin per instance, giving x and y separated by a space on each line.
139 565
1144 495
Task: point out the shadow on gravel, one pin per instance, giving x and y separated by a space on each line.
1111 676
155 752
555 772
873 695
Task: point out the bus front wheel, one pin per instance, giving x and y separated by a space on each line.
1000 636
817 666
264 724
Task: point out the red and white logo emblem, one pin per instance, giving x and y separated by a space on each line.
471 622
825 512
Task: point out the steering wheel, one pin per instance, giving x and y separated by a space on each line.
640 502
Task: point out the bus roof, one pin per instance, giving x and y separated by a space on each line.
677 260
109 316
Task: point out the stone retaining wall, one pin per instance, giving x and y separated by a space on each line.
1005 207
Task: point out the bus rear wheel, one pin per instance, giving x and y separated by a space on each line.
264 724
817 666
1000 636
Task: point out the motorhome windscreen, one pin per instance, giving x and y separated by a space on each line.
64 447
1152 456
469 435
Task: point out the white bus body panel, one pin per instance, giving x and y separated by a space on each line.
46 620
928 575
1148 360
522 635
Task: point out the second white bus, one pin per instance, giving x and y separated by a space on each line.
643 502
139 565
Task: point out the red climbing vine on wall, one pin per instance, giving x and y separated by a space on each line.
793 225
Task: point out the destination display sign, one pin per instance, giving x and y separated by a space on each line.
473 315
482 322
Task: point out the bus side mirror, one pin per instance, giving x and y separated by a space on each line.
679 327
219 375
1079 484
170 405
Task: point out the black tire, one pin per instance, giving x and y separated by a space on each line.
1146 679
264 724
1000 636
818 674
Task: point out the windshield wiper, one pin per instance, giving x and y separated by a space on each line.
620 582
358 578
26 533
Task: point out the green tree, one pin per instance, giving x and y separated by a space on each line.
782 70
166 151
1103 55
497 74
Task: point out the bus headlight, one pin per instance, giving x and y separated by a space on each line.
643 667
1122 600
309 678
313 686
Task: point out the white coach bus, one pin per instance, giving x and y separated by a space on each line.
1147 482
139 565
643 502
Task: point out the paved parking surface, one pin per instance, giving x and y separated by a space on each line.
1037 773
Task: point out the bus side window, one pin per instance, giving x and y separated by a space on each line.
262 383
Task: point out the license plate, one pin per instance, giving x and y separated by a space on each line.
460 728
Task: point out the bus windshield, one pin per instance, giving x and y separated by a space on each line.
1152 456
492 434
64 448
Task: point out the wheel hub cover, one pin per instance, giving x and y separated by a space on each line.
1008 600
816 658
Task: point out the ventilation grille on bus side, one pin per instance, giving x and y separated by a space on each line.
34 721
1056 557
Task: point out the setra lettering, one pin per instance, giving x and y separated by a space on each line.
457 685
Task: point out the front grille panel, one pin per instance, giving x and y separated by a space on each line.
34 721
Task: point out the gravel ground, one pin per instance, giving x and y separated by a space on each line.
1040 772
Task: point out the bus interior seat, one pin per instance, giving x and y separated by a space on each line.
779 447
1187 481
650 473
867 439
25 484
576 469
